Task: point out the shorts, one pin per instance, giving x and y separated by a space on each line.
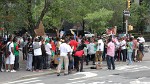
10 59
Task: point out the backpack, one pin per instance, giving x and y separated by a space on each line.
141 47
7 50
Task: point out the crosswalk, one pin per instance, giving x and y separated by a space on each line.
26 81
132 68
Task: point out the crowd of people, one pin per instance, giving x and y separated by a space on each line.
39 52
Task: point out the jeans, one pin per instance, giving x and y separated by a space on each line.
110 61
87 58
16 64
1 62
71 64
38 62
46 61
124 53
29 61
129 54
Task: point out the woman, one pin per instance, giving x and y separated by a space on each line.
129 50
78 56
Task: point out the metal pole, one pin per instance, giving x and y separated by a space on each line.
126 26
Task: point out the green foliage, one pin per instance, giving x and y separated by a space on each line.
99 19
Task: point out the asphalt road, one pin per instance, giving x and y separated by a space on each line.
138 73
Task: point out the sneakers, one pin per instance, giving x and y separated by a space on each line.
12 71
58 74
8 70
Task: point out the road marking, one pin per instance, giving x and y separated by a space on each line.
87 75
138 82
30 82
98 82
20 81
132 68
77 82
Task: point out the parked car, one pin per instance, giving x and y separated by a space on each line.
80 32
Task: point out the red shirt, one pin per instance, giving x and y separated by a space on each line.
74 43
79 53
53 46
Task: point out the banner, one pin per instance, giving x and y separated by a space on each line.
40 30
111 31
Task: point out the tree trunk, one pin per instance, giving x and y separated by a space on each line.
44 11
30 18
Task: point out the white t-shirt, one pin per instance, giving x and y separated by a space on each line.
38 51
100 45
123 43
47 48
141 39
64 49
11 45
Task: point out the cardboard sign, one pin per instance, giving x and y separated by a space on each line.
111 31
40 30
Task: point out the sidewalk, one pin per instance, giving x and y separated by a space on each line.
22 74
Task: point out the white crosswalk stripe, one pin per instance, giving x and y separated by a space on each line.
132 68
26 81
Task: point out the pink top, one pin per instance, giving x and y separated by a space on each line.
111 49
134 44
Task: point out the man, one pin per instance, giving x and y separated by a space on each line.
11 57
48 49
29 48
110 54
37 55
73 43
16 53
99 52
1 54
64 53
91 51
141 39
123 49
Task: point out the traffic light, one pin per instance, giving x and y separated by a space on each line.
130 27
128 4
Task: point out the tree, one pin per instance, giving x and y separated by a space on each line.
99 19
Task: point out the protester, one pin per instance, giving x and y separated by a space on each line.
99 52
16 53
91 52
2 47
29 48
141 39
47 58
79 59
37 55
110 54
134 49
64 54
129 50
140 50
123 49
10 57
